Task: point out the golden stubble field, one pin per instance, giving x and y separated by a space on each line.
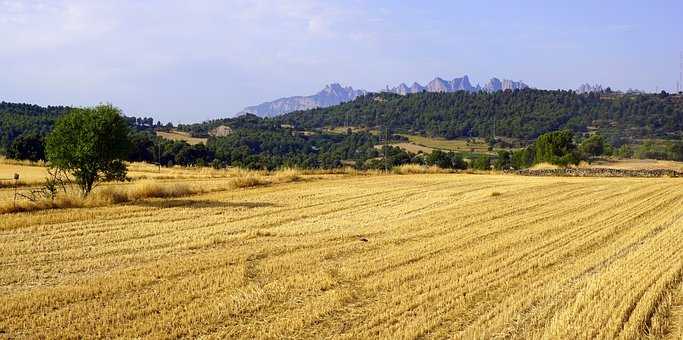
438 255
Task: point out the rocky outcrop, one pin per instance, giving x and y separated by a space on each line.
332 94
496 84
458 84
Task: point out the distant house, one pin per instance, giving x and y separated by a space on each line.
221 131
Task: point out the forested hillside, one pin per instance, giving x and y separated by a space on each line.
523 114
19 119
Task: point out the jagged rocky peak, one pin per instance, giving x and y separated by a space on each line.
335 93
402 89
416 88
458 84
332 94
438 85
461 84
496 84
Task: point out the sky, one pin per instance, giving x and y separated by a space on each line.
187 61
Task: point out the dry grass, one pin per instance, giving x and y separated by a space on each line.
114 193
108 194
638 164
7 161
544 166
410 169
29 173
410 147
248 181
460 145
356 257
179 135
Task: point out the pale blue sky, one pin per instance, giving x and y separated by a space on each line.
193 60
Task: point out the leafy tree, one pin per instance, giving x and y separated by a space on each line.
624 151
483 162
439 158
446 160
593 145
676 150
556 148
27 146
457 161
90 144
503 161
523 158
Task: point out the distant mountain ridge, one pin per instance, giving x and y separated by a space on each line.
332 94
335 94
587 88
458 84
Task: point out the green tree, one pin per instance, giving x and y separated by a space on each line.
523 158
439 158
593 146
556 148
504 160
457 161
90 144
676 150
483 162
27 146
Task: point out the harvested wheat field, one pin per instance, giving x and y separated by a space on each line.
431 255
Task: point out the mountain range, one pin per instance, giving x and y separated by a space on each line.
458 84
334 94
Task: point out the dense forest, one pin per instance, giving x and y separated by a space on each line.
521 114
26 119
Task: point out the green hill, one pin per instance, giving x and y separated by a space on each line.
523 114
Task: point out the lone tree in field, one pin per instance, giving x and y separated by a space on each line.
91 145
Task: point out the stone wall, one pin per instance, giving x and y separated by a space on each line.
599 172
